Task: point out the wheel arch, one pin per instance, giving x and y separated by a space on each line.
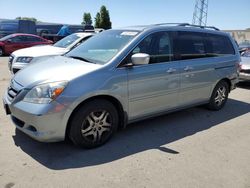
228 81
122 114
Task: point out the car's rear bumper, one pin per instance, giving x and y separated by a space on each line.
244 77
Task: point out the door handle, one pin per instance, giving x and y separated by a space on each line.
171 70
188 68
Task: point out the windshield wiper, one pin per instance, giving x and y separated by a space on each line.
81 58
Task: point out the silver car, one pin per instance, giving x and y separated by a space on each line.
23 57
121 76
245 66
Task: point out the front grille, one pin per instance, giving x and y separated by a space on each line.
12 93
245 71
13 90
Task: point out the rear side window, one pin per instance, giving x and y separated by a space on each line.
190 45
218 45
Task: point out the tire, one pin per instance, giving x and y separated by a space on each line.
219 96
93 124
1 52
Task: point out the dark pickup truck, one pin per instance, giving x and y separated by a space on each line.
50 35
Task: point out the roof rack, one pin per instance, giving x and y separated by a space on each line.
177 24
190 25
200 26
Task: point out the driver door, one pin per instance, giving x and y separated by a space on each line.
154 88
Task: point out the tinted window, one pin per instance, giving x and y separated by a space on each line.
189 45
9 27
18 39
33 39
219 45
158 46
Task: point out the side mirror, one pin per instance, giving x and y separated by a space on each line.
140 59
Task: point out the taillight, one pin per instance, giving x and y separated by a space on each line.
239 66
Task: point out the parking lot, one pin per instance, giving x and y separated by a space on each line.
190 148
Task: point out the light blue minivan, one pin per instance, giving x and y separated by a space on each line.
121 76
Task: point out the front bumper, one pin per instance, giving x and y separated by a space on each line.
42 122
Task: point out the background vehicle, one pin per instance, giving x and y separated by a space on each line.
8 27
122 76
66 30
245 66
13 42
244 46
21 58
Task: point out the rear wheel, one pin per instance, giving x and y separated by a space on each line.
219 96
93 124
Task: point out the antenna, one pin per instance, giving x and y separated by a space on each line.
200 13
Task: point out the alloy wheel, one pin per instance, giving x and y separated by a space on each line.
220 96
96 126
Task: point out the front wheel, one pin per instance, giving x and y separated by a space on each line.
219 96
93 124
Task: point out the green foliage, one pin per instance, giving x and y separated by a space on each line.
102 19
87 19
97 20
26 18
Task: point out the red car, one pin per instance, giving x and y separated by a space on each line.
13 42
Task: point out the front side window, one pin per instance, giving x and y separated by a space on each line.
102 47
157 46
18 39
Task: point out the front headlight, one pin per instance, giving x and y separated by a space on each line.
45 93
24 59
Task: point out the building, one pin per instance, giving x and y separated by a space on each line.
240 35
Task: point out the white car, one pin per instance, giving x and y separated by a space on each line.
22 58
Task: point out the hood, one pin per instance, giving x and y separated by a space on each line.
57 68
36 51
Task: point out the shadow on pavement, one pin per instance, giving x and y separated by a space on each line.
244 85
137 137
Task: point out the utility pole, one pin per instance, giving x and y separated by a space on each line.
200 12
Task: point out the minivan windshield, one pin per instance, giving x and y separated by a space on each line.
102 47
67 41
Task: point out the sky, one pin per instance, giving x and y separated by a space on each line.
224 14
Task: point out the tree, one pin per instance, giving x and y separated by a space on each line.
102 19
87 19
27 18
98 20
